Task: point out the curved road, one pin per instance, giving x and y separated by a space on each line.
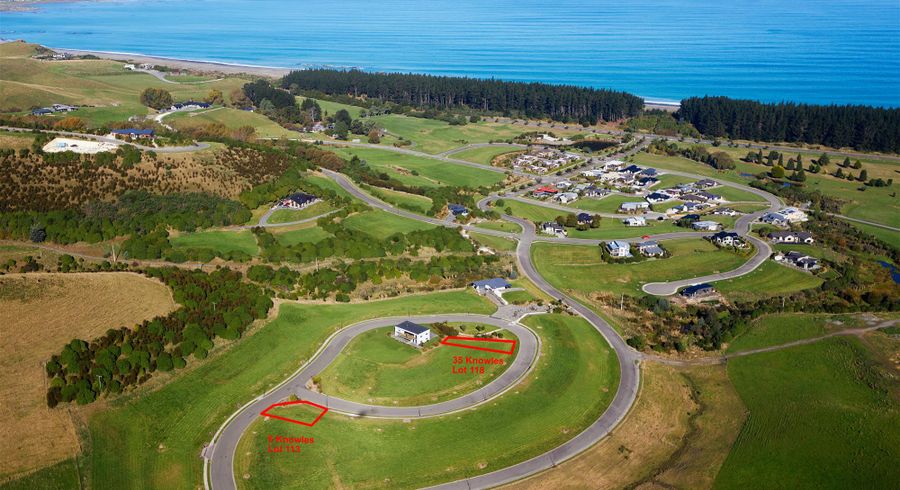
221 452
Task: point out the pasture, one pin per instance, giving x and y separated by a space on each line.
420 171
220 241
381 224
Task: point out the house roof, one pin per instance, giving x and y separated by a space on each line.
456 208
652 250
648 243
617 244
413 328
696 289
552 225
705 224
495 283
133 131
301 197
725 234
584 217
626 205
549 189
658 195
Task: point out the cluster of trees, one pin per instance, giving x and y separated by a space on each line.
136 212
570 220
657 121
156 98
699 153
275 103
343 279
213 305
860 127
534 100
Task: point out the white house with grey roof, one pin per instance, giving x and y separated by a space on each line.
412 333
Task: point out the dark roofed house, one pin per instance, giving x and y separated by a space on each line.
298 200
412 332
650 248
43 111
697 291
791 237
799 260
631 169
458 209
134 133
727 239
705 183
657 197
584 218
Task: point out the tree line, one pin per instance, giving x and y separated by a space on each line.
565 103
213 305
838 126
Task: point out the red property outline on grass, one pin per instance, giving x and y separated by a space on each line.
473 339
265 413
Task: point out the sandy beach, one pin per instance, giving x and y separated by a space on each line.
201 66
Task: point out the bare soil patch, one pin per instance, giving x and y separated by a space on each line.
39 313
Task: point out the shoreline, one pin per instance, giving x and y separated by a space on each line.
259 70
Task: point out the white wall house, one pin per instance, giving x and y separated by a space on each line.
412 333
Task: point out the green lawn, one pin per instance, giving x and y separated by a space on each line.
306 233
613 228
608 204
433 136
403 200
500 225
497 243
735 195
822 415
381 224
528 211
375 368
288 215
218 240
780 329
484 155
152 440
578 268
231 118
888 236
569 389
769 279
421 171
518 297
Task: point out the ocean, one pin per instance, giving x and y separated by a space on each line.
816 51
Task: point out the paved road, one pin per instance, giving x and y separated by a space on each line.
105 139
264 219
221 453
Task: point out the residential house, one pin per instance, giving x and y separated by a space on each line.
775 219
705 184
43 111
596 192
63 108
686 207
693 198
710 197
567 197
726 212
799 260
635 221
793 215
618 249
791 237
657 197
649 172
458 210
584 219
650 248
495 284
553 228
727 239
297 200
134 133
647 181
698 291
631 169
634 207
547 190
412 333
706 226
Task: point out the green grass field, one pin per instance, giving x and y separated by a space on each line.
608 204
484 155
305 233
887 236
735 195
612 228
381 224
780 329
219 241
572 385
375 368
528 211
433 136
231 118
769 279
431 172
288 215
518 297
500 225
497 243
578 268
822 415
153 439
404 200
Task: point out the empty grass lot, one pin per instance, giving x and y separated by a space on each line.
780 329
433 136
381 224
578 268
497 243
608 204
822 415
39 314
769 279
375 368
431 172
220 241
484 155
289 215
500 226
404 200
572 384
167 424
528 211
612 228
304 233
231 119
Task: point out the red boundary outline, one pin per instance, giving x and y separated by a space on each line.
265 413
473 339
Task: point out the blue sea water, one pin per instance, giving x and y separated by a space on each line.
818 51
